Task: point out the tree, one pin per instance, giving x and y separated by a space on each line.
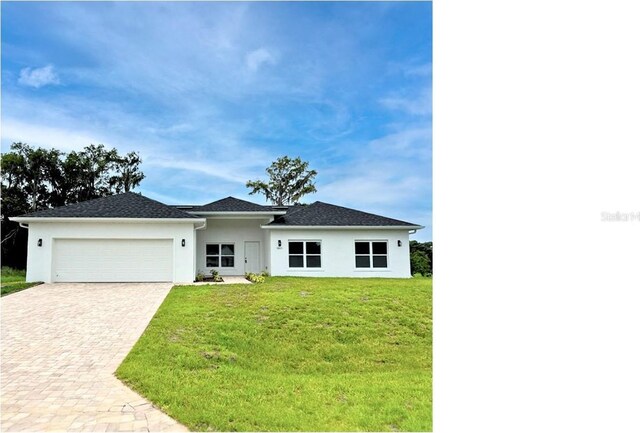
289 180
420 263
128 174
28 175
421 255
88 172
37 178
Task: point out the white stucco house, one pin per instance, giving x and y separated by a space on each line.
131 238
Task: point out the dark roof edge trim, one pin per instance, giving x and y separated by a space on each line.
309 227
105 219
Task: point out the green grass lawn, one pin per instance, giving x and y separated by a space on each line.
330 354
12 280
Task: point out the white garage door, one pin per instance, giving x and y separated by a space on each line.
112 260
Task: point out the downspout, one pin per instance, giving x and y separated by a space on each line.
24 226
412 231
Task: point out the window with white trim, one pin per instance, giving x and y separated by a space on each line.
220 255
305 254
371 254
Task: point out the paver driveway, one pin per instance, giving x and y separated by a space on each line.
61 344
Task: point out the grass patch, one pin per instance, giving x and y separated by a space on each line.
309 354
11 275
12 280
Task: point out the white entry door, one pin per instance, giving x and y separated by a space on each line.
252 257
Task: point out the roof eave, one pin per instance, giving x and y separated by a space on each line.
28 220
308 227
243 213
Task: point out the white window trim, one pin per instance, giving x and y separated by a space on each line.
219 255
304 256
370 268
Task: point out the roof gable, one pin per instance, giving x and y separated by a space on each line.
126 205
231 204
325 214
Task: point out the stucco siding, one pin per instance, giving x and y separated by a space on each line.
338 253
337 246
40 258
236 232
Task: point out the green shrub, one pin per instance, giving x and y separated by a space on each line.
216 276
420 263
199 276
254 278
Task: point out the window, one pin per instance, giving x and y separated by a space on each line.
220 255
371 254
305 254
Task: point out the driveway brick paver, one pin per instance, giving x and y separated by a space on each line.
61 344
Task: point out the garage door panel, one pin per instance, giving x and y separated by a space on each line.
112 260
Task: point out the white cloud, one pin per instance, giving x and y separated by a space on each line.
156 154
214 157
380 191
38 77
420 105
171 129
406 143
223 165
389 175
163 198
37 135
392 169
255 59
365 191
163 61
221 171
421 70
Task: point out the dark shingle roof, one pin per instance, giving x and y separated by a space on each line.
231 204
325 214
126 205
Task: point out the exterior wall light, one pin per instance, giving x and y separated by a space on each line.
183 243
399 243
279 244
39 242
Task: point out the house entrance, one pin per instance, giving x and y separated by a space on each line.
252 257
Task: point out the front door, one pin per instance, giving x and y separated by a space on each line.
252 257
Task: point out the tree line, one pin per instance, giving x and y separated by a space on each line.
421 255
37 178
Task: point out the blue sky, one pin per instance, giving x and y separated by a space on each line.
211 93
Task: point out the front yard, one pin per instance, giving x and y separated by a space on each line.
290 354
12 280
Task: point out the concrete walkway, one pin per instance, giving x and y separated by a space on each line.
61 344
